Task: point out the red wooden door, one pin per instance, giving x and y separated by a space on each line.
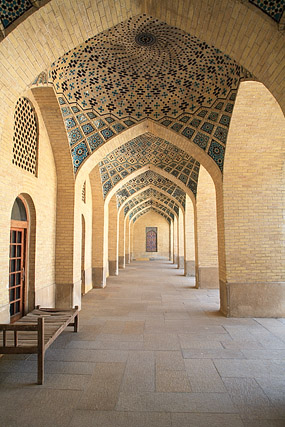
17 272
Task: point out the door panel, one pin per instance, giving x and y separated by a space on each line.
17 272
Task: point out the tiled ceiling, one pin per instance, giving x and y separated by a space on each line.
145 69
152 208
147 179
151 193
148 150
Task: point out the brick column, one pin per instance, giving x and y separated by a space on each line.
113 237
122 239
181 239
99 270
208 270
254 193
189 239
129 226
66 286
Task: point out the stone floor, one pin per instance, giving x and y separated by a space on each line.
152 351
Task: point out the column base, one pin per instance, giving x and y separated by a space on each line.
64 295
98 277
113 268
181 262
122 263
189 268
127 258
208 277
255 299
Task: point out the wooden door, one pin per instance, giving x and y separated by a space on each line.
17 272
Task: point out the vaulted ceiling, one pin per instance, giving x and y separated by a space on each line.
143 69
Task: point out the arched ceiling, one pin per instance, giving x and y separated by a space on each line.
152 203
148 150
11 11
153 194
145 69
146 210
146 179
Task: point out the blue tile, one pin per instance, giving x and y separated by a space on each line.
69 123
221 134
74 136
88 128
95 141
201 140
107 133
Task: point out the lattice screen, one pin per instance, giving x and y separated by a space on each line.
25 137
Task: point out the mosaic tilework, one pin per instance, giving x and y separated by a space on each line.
10 10
112 73
273 8
151 193
141 213
144 150
177 81
198 128
153 179
154 204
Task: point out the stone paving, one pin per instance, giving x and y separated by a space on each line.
152 351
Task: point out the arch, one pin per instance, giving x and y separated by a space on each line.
156 170
190 17
146 188
151 199
157 130
145 210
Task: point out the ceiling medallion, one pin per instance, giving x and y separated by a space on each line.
145 39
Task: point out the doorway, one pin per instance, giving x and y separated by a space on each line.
17 259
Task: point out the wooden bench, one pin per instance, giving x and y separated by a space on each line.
36 331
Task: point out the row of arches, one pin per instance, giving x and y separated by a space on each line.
222 236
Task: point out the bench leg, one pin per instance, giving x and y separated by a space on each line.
41 350
76 323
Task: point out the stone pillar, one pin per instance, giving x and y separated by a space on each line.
99 219
181 239
208 270
113 237
189 239
122 239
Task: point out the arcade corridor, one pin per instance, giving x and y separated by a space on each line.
152 351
